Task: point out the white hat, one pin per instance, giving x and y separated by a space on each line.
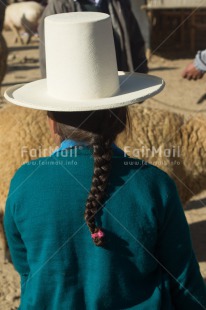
81 69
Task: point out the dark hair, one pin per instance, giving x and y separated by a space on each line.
99 130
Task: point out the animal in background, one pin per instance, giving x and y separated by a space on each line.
171 142
23 16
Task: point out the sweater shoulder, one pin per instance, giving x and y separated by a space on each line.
28 168
146 170
149 179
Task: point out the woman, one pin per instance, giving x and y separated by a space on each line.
89 227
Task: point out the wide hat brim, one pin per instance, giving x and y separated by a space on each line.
134 88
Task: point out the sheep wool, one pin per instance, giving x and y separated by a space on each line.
171 142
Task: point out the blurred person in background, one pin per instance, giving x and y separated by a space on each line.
3 4
142 20
197 68
129 42
3 46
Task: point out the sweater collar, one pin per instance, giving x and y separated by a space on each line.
67 144
71 143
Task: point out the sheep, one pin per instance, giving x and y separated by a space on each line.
172 143
23 15
178 145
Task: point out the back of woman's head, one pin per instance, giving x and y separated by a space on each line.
97 129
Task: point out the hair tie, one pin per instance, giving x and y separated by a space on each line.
98 234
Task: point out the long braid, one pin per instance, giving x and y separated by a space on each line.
99 130
102 165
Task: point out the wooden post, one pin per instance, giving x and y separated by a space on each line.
3 46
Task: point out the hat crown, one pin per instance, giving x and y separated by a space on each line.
80 56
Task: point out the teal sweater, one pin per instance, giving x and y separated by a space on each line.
147 262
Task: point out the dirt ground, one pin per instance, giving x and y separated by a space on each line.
179 95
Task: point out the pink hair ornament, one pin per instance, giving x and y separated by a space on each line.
98 234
